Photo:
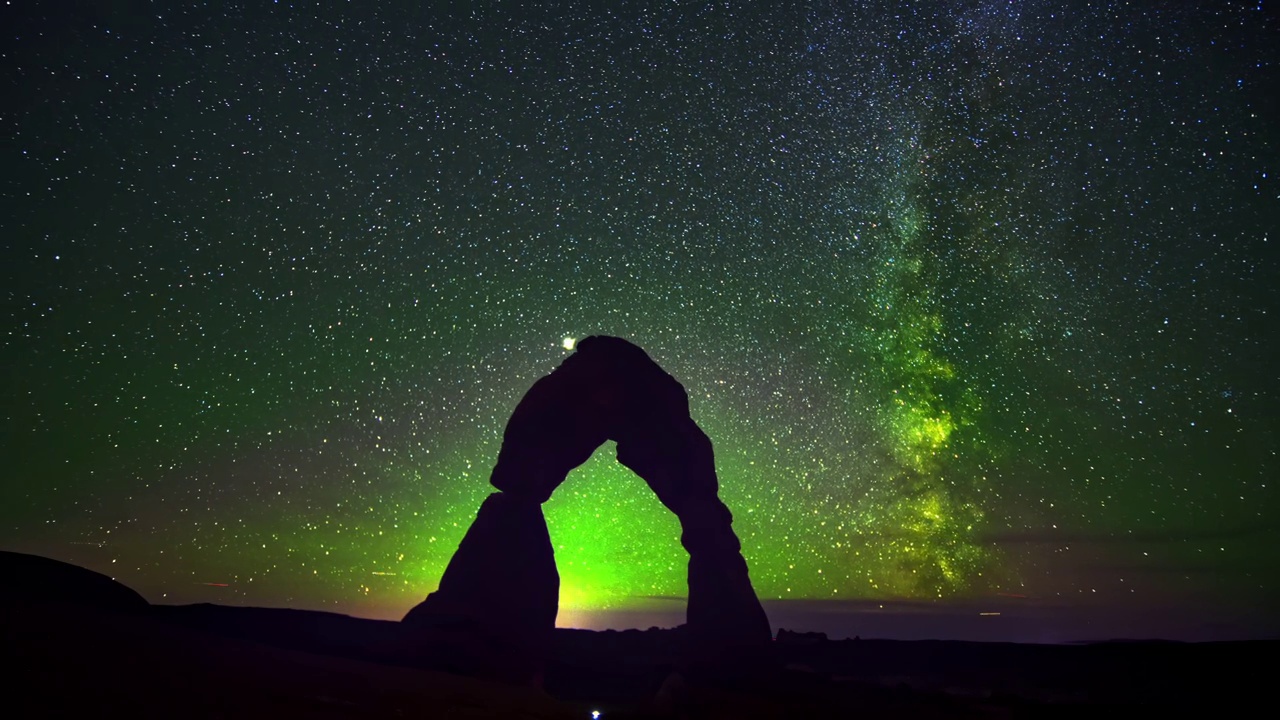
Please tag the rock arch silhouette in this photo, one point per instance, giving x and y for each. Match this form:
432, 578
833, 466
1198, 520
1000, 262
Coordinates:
503, 577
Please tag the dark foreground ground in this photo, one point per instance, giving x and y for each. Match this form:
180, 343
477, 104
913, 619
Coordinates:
76, 644
211, 661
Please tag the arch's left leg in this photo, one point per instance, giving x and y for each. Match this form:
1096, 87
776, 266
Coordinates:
497, 601
500, 591
503, 573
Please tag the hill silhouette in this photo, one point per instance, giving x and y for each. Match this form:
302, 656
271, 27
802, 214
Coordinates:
35, 580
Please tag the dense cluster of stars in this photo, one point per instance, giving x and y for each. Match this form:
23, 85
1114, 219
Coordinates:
975, 299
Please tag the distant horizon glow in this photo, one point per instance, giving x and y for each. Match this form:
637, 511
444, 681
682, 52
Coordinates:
976, 301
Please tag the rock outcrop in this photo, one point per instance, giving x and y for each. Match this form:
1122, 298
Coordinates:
503, 577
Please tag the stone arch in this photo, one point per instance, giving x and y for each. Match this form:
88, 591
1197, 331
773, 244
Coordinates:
503, 576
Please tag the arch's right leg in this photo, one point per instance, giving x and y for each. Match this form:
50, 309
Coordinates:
723, 607
677, 461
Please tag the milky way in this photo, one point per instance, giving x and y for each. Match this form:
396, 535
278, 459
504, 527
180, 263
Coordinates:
976, 300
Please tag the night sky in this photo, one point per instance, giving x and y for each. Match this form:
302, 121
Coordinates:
977, 300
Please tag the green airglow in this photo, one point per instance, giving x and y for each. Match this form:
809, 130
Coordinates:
615, 543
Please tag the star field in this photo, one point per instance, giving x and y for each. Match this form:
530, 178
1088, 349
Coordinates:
976, 300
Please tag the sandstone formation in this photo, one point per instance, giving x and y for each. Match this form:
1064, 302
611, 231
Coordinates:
503, 578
